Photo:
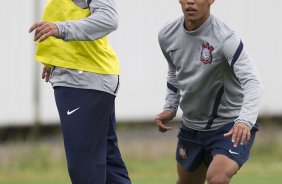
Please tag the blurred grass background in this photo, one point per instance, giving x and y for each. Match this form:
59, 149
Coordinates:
33, 157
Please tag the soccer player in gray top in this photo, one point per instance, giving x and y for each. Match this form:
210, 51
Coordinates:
215, 82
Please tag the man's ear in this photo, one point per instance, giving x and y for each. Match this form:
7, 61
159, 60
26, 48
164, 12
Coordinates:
211, 2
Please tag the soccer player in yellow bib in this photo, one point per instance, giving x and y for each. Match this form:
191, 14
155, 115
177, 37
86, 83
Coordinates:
71, 42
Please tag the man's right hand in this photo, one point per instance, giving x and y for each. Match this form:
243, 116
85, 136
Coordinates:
43, 30
46, 72
162, 119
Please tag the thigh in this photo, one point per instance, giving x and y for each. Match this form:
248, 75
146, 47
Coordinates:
190, 156
84, 116
189, 150
197, 176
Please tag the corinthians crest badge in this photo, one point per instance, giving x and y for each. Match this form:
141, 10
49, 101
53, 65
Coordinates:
206, 53
182, 152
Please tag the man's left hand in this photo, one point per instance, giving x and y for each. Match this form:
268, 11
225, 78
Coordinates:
240, 132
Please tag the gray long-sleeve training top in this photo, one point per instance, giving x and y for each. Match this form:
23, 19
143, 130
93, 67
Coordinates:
211, 76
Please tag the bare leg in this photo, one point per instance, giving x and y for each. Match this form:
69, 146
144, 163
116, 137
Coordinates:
195, 177
221, 170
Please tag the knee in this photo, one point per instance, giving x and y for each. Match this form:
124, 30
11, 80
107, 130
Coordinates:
218, 179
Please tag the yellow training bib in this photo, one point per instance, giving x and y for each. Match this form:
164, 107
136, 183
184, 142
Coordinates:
92, 56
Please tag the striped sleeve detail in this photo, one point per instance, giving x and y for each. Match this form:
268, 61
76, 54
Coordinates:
172, 87
237, 54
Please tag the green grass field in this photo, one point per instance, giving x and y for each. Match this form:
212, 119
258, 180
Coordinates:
149, 156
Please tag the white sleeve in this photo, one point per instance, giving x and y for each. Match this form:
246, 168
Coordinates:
247, 74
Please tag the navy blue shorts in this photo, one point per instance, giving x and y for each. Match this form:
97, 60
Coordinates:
90, 140
197, 147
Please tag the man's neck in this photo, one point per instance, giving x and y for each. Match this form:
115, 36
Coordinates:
192, 25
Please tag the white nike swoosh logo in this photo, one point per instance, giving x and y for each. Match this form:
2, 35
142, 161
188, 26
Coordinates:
232, 152
70, 112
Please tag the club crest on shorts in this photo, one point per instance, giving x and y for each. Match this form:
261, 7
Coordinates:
206, 53
182, 152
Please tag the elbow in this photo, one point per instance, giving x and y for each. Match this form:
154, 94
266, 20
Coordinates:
261, 87
111, 20
114, 22
107, 18
114, 26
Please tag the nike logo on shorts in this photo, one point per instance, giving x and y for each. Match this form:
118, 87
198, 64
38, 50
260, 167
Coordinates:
232, 152
70, 112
